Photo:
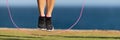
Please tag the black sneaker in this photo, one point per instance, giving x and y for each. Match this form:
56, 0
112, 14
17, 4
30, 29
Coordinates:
49, 25
42, 23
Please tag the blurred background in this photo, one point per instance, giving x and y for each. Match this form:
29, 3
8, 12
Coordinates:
97, 14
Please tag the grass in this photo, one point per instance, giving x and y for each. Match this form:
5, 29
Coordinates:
33, 34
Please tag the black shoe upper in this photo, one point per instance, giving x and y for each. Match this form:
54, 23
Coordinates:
49, 23
41, 22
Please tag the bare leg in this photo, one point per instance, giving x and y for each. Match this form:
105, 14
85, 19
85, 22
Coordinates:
41, 6
50, 6
41, 20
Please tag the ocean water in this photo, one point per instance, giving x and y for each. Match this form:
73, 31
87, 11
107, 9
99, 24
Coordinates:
105, 18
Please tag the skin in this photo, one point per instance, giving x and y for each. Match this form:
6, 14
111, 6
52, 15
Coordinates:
49, 4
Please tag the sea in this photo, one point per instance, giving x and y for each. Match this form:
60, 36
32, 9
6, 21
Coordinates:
102, 18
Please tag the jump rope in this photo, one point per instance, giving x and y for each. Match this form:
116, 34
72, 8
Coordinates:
28, 32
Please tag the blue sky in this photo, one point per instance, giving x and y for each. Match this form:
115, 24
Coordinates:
64, 3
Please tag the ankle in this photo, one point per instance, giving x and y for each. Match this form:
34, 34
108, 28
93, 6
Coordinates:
48, 16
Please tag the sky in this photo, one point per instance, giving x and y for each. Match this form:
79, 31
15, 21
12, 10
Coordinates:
63, 3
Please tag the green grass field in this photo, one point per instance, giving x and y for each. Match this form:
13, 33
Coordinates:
33, 34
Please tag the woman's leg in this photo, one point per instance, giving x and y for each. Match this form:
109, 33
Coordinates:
41, 6
50, 6
41, 20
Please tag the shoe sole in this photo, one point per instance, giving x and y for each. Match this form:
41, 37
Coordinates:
51, 30
43, 29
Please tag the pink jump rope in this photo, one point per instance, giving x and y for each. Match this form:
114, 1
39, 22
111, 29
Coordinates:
28, 32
